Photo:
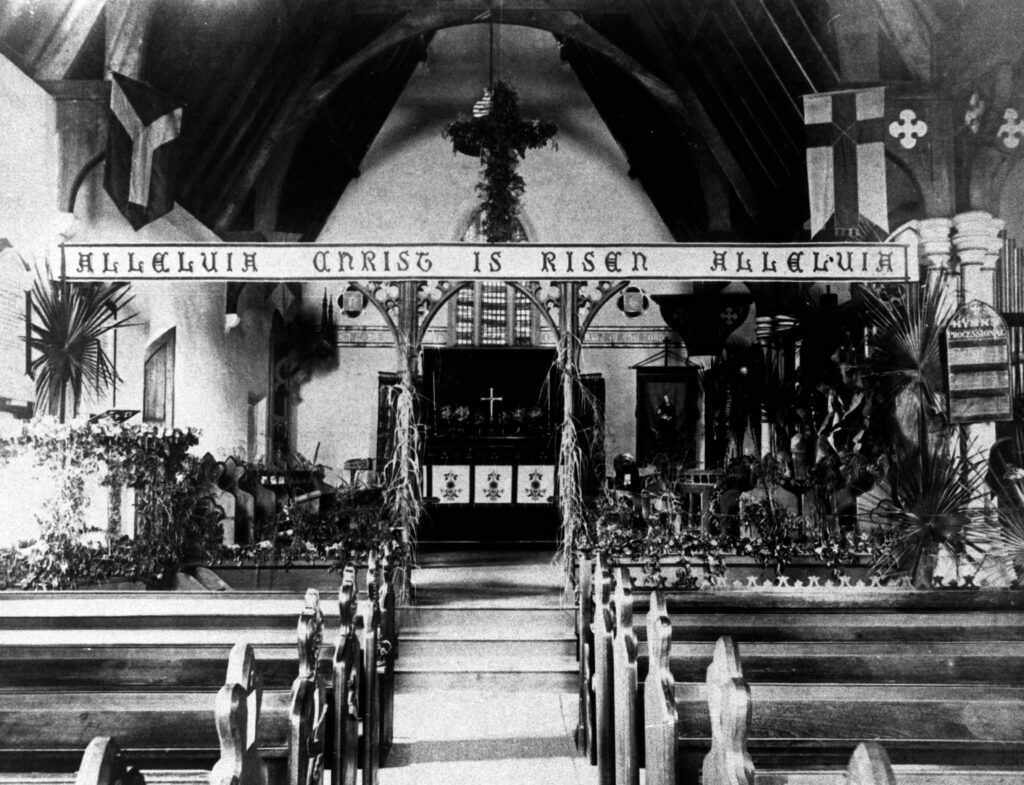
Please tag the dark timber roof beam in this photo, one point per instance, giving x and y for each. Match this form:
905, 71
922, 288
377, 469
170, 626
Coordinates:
909, 26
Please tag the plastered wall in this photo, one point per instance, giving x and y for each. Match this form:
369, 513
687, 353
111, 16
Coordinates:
413, 188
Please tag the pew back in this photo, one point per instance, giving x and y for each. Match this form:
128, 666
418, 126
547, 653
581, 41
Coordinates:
933, 674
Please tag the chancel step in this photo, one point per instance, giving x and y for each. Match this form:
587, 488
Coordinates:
485, 623
487, 620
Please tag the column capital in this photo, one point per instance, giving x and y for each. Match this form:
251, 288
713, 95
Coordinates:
976, 238
936, 247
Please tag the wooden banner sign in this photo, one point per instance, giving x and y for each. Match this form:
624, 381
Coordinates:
466, 261
978, 365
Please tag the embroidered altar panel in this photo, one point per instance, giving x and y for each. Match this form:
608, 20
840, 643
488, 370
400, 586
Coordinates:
535, 484
492, 484
450, 484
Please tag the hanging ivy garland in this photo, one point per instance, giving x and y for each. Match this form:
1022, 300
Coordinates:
500, 138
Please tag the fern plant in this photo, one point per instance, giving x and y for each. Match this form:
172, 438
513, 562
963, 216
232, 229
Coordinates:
68, 321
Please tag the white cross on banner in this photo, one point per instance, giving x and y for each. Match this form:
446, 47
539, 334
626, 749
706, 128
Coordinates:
140, 157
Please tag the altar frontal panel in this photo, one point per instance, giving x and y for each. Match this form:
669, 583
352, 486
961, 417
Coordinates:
534, 484
450, 484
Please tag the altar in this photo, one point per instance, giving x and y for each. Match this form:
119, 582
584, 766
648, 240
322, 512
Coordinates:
490, 441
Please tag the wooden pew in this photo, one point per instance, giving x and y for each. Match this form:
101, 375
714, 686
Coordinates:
729, 762
370, 698
346, 679
77, 641
236, 717
308, 709
44, 728
363, 673
860, 637
236, 721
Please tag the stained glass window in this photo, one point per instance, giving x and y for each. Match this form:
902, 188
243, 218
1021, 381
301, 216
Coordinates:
491, 314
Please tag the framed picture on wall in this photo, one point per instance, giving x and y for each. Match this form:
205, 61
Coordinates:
667, 404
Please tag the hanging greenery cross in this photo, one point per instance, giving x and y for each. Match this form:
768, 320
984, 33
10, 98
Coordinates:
500, 138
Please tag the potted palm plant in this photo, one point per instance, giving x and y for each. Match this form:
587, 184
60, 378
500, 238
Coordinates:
935, 487
67, 322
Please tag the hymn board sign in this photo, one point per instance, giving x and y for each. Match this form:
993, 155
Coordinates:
465, 261
978, 365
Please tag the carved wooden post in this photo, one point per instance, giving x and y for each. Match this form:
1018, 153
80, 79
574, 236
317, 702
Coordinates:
237, 712
307, 714
389, 650
869, 765
728, 762
346, 683
603, 706
627, 765
102, 764
660, 715
584, 645
370, 685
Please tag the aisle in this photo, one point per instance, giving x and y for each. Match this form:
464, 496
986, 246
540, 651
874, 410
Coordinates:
486, 676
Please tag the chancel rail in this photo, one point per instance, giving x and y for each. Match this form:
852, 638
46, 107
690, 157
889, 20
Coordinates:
465, 261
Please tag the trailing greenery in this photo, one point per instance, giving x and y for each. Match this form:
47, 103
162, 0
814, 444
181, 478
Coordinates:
174, 527
68, 321
402, 505
341, 534
500, 139
689, 557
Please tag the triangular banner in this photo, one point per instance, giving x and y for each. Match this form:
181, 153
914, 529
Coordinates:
141, 154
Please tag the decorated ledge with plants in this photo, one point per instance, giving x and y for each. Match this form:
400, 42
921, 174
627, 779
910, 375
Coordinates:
178, 525
870, 477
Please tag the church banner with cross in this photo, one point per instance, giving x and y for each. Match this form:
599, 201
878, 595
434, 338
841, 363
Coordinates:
468, 261
846, 163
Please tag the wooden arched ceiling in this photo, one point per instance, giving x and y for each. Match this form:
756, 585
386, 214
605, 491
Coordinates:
285, 98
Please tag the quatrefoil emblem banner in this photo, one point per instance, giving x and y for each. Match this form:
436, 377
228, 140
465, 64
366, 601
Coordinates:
908, 129
1012, 129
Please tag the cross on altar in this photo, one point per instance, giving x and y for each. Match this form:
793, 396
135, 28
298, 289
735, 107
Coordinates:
492, 400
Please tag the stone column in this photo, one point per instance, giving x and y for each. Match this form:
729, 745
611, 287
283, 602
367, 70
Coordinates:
935, 248
978, 244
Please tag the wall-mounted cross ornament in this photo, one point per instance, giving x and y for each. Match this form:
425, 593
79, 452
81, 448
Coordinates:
908, 129
1012, 129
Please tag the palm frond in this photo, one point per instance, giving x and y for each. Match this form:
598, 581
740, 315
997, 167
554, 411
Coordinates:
1006, 542
934, 506
906, 344
68, 322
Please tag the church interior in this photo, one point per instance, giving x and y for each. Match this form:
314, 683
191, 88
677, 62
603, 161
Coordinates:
731, 489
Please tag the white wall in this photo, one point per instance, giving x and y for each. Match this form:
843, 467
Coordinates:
215, 372
413, 188
29, 160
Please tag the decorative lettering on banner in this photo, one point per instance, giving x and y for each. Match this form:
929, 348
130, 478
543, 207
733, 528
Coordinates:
464, 261
978, 365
